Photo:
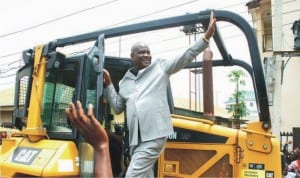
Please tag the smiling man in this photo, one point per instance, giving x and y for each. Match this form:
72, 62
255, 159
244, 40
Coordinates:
140, 55
143, 93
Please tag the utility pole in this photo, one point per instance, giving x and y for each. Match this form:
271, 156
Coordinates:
277, 43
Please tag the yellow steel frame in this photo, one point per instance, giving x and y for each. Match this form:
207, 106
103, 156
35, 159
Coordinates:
52, 157
244, 147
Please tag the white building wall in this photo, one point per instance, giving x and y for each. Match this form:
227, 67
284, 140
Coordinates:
285, 107
287, 96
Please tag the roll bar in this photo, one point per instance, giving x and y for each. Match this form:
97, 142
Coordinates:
255, 70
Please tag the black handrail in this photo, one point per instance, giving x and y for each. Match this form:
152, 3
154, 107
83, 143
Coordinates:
188, 19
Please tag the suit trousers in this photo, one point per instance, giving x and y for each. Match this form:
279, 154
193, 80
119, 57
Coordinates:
143, 157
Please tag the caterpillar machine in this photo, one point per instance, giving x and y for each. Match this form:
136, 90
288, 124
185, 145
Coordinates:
46, 145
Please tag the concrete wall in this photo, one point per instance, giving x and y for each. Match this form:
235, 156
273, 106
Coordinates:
285, 107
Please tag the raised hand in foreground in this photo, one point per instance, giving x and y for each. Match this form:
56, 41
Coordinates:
93, 132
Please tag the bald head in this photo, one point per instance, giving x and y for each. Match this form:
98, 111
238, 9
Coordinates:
138, 45
140, 55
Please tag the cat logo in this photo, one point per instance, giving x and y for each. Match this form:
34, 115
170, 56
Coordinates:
25, 155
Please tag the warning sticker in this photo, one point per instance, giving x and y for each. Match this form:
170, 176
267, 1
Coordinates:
250, 173
65, 166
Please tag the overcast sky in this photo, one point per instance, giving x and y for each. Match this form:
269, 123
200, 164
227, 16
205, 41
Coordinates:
25, 24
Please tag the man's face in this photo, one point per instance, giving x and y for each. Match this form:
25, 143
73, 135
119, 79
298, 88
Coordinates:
141, 56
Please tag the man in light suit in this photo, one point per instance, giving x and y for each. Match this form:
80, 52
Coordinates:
143, 92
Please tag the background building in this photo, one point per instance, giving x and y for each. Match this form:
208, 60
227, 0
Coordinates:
273, 22
6, 106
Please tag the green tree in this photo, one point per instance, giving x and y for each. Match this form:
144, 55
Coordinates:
239, 108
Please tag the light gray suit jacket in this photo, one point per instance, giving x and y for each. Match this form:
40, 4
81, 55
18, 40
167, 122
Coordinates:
145, 96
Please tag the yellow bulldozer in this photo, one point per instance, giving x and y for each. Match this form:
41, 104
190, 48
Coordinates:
46, 144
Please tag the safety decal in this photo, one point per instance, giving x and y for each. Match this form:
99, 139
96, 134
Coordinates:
250, 173
65, 166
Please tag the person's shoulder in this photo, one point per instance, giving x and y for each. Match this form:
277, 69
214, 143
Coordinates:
156, 62
127, 74
159, 61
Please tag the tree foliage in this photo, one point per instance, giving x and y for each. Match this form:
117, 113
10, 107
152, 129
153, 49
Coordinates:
239, 108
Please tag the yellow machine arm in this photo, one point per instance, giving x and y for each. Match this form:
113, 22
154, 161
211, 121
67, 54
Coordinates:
34, 128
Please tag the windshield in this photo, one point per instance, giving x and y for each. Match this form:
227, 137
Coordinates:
76, 80
59, 90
